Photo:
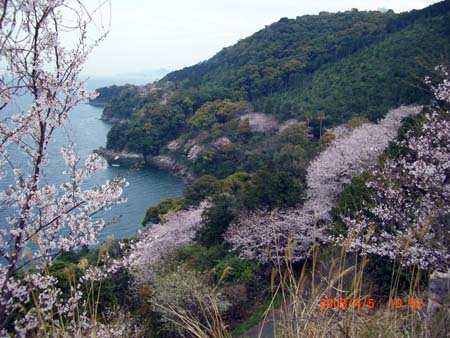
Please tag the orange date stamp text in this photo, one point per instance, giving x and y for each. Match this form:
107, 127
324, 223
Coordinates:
347, 303
369, 303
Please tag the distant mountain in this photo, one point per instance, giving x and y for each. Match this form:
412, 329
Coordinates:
133, 78
155, 74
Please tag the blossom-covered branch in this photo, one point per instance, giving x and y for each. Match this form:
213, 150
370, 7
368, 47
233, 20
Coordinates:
411, 203
44, 219
160, 239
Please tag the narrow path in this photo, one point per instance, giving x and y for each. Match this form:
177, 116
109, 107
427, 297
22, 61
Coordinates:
266, 328
267, 331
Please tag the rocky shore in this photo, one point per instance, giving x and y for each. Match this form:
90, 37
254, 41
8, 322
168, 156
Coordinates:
132, 159
105, 116
97, 104
109, 119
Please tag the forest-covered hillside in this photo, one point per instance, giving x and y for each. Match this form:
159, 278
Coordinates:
316, 70
325, 67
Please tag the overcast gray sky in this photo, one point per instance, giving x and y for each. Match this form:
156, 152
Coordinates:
150, 34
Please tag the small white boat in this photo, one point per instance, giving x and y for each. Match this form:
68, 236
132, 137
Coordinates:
115, 165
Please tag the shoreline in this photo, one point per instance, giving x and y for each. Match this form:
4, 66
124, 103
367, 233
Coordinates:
162, 162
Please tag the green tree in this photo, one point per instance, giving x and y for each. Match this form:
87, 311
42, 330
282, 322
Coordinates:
217, 218
201, 188
272, 189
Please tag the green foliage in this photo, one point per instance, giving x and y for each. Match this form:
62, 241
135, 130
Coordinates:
201, 188
373, 79
293, 153
134, 136
238, 270
106, 95
146, 135
117, 137
279, 55
121, 103
326, 139
217, 218
356, 121
235, 182
217, 259
294, 134
272, 189
218, 111
203, 118
354, 197
156, 213
412, 124
201, 257
291, 159
66, 273
219, 162
286, 68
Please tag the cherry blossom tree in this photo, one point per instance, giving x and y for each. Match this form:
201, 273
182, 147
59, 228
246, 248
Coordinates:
44, 219
409, 219
265, 235
159, 240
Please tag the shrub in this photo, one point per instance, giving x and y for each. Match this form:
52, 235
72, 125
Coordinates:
184, 292
156, 213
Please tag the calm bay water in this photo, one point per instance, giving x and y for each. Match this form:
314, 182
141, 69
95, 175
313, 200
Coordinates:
146, 186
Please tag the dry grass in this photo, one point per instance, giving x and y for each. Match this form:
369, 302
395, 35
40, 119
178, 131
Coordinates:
342, 276
305, 312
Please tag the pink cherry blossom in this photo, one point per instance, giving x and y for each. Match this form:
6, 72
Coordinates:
411, 198
264, 235
158, 240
